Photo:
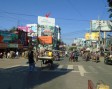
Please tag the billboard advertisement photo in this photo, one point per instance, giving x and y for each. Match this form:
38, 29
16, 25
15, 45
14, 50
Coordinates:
46, 21
101, 25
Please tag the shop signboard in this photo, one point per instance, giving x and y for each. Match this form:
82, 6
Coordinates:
12, 45
101, 25
45, 39
3, 45
46, 21
20, 46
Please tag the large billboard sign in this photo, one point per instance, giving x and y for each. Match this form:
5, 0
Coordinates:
46, 21
92, 36
101, 25
87, 36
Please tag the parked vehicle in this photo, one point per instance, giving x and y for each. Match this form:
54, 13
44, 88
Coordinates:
108, 58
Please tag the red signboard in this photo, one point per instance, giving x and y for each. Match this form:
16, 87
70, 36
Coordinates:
45, 39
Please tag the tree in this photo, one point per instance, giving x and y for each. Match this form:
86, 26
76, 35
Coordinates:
13, 29
110, 7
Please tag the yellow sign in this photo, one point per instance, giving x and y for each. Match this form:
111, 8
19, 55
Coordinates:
92, 36
87, 36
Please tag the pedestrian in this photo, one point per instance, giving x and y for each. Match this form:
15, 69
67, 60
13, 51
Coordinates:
37, 55
8, 55
17, 54
71, 56
66, 53
76, 54
31, 60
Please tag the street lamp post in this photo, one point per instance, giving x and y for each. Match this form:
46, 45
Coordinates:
37, 38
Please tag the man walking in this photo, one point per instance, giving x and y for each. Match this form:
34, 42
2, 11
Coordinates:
76, 55
31, 60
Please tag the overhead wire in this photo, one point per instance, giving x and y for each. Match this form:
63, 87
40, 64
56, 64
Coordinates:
73, 7
73, 19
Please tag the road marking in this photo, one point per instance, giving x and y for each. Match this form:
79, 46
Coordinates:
59, 68
92, 69
70, 67
81, 70
11, 66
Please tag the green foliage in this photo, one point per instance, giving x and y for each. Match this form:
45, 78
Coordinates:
13, 29
110, 9
109, 3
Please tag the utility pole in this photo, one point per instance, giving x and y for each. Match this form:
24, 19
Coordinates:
37, 42
99, 31
104, 40
90, 33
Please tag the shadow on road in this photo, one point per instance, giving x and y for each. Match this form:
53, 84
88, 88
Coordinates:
20, 78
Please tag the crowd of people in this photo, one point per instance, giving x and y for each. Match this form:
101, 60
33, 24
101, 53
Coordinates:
72, 56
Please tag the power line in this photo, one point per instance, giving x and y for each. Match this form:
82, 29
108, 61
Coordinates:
73, 6
73, 19
17, 13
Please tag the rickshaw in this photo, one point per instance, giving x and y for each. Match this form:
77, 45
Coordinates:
95, 56
46, 59
86, 55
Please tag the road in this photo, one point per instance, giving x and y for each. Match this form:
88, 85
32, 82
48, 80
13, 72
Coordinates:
14, 74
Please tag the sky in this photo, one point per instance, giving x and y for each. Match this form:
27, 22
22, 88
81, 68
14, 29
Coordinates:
73, 16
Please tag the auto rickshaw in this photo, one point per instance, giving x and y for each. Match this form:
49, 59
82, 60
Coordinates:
86, 55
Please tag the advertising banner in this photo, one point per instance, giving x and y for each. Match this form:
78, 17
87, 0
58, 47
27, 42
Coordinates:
3, 45
32, 27
12, 45
101, 25
9, 37
87, 36
45, 39
45, 30
25, 29
46, 21
94, 35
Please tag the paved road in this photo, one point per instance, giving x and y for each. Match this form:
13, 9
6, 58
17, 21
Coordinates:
14, 74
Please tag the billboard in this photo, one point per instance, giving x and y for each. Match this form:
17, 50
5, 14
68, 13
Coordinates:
8, 37
46, 21
25, 29
32, 27
45, 39
92, 36
102, 25
87, 36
